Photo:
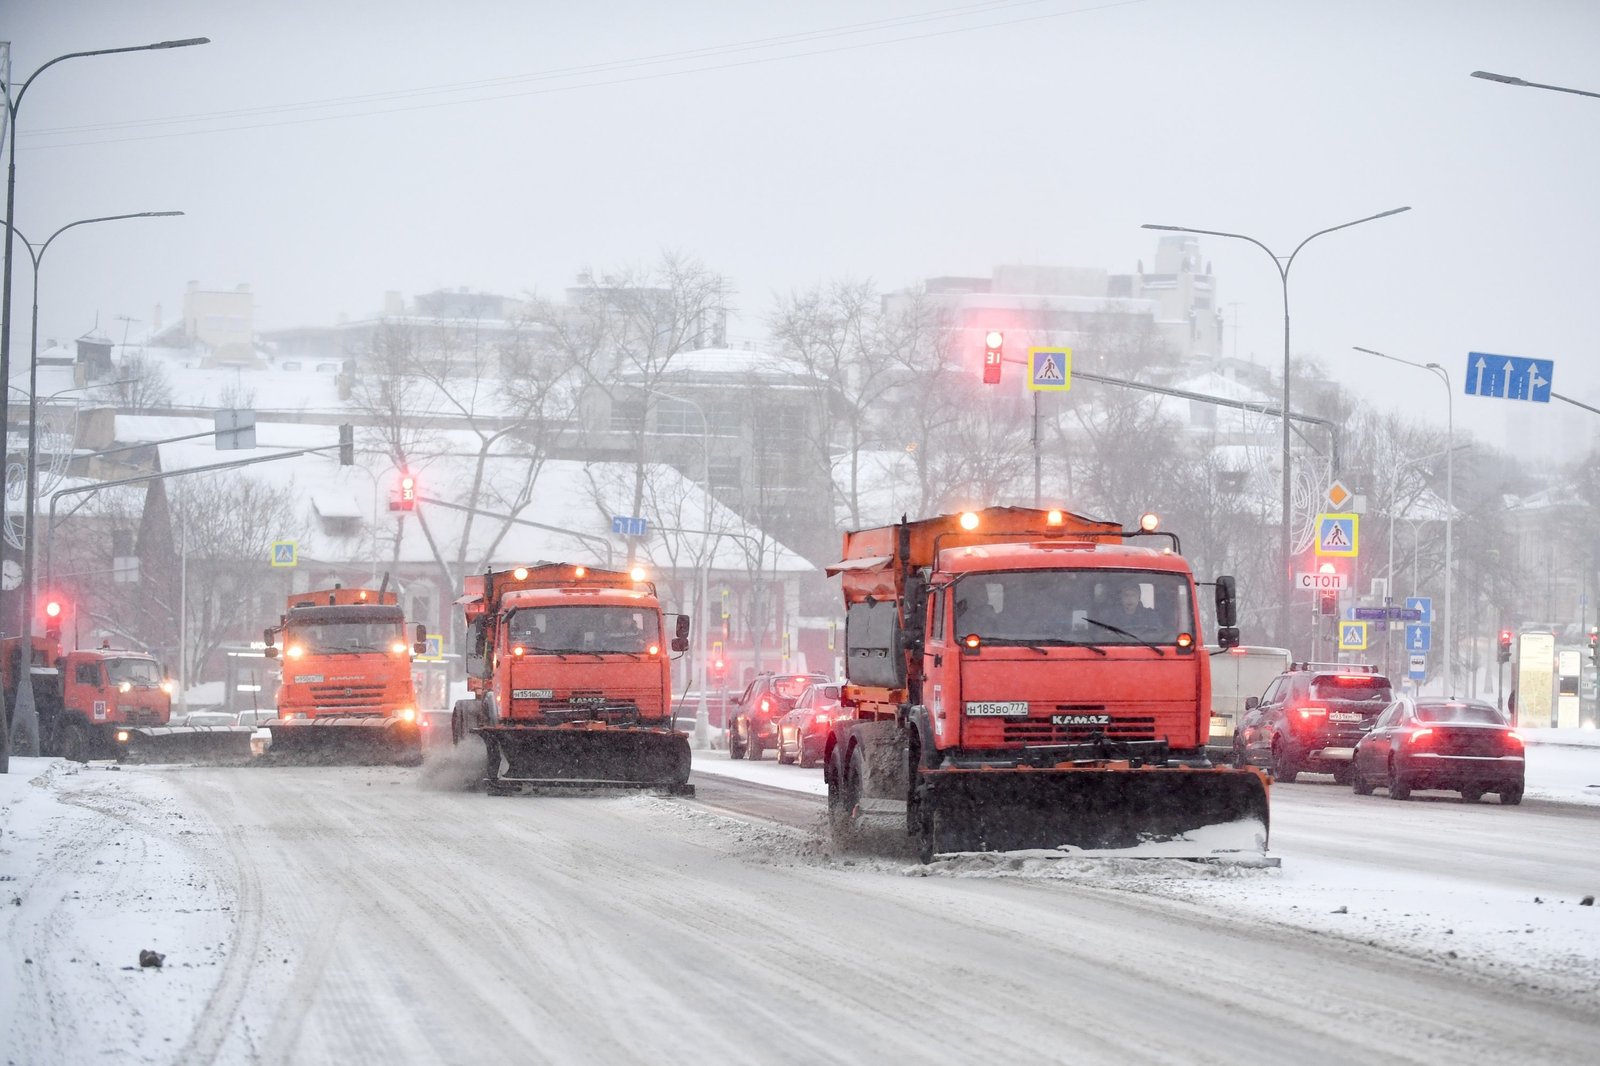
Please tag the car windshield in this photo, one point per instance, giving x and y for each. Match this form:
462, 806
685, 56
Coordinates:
1371, 687
580, 629
325, 638
134, 671
1480, 713
1074, 606
790, 688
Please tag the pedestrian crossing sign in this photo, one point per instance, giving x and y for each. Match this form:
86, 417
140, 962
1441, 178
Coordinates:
285, 553
1352, 636
1050, 369
1337, 534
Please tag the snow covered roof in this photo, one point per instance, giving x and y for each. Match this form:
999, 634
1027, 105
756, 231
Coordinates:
734, 362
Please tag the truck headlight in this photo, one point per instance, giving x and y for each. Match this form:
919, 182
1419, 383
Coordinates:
122, 736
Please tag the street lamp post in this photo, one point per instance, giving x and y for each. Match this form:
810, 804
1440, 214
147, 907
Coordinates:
1449, 499
13, 104
1507, 79
1284, 264
702, 723
1393, 517
25, 716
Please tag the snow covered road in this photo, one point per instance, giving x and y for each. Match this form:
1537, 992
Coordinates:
381, 915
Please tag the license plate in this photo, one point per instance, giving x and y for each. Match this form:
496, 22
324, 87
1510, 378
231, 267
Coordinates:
1344, 716
997, 708
1080, 719
532, 693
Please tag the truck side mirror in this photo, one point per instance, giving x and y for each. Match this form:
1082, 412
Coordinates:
683, 628
270, 652
267, 635
1227, 603
680, 643
420, 646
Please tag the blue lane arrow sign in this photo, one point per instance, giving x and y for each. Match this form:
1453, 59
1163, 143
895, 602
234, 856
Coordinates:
1419, 638
1509, 377
1423, 605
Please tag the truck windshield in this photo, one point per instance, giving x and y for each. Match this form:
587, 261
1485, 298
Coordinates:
328, 638
134, 671
1074, 606
576, 629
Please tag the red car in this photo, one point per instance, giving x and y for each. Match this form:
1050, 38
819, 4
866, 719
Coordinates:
803, 732
765, 700
1465, 746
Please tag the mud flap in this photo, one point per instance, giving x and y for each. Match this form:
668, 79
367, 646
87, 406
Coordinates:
345, 740
584, 757
1088, 808
216, 745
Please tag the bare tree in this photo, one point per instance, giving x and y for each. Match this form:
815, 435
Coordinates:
144, 385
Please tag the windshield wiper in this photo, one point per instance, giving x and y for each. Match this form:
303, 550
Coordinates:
1118, 629
1039, 644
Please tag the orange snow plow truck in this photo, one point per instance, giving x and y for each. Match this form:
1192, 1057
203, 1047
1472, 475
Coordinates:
346, 692
108, 703
1022, 679
571, 684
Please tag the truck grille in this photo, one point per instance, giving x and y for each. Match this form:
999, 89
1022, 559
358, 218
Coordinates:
340, 697
1043, 731
141, 716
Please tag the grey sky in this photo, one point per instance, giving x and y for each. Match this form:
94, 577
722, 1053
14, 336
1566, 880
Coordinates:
1034, 132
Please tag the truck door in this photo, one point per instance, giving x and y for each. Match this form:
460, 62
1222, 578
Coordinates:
86, 690
937, 692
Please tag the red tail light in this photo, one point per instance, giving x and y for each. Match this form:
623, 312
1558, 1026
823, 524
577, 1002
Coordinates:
1418, 736
766, 704
1515, 737
822, 719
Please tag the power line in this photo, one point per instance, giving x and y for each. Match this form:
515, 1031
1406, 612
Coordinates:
569, 72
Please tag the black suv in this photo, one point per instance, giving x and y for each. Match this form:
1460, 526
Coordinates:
1310, 718
766, 699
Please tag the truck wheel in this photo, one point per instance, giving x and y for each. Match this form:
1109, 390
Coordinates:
74, 742
843, 796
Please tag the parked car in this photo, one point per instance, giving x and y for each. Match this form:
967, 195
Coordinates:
803, 732
1310, 718
756, 711
1466, 746
257, 718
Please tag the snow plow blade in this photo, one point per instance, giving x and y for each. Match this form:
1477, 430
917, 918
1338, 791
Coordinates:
1174, 812
345, 740
529, 757
202, 744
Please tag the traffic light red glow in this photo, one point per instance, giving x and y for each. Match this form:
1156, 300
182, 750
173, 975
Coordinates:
405, 494
993, 357
1505, 645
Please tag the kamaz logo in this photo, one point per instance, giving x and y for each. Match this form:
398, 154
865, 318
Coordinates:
586, 699
1080, 719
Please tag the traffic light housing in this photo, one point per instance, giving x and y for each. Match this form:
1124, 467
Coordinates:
993, 348
405, 494
718, 664
53, 614
347, 445
1594, 644
1505, 645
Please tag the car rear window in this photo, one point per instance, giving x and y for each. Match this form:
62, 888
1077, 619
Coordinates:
791, 687
1351, 687
1480, 713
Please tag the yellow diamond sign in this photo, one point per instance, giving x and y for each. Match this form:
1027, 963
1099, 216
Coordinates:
1337, 495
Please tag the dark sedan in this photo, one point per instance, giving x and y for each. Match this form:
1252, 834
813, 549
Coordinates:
1464, 746
803, 732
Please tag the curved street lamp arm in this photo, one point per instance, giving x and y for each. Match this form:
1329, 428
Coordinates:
87, 221
1507, 79
15, 102
1236, 236
1342, 225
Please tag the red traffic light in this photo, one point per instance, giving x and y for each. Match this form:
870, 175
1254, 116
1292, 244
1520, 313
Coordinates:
405, 494
1505, 638
993, 357
52, 609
